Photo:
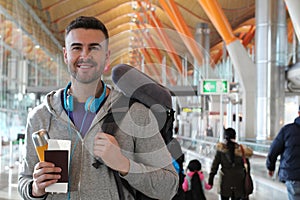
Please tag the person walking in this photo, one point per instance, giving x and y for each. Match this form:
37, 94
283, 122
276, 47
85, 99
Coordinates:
287, 145
194, 182
136, 151
232, 173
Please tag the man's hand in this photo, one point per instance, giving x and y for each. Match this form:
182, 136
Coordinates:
43, 176
107, 148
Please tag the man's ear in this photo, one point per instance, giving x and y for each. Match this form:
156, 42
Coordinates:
107, 57
65, 55
107, 54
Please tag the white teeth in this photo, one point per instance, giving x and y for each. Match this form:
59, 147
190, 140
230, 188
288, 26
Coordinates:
85, 67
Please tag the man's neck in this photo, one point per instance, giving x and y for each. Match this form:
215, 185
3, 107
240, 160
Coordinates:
81, 92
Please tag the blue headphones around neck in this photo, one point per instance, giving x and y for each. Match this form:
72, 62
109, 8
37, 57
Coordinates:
92, 104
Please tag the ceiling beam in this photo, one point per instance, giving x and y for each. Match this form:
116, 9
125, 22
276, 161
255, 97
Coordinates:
155, 22
219, 20
154, 48
150, 42
180, 25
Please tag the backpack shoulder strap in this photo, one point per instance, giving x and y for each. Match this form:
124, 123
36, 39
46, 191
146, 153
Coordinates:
116, 114
110, 126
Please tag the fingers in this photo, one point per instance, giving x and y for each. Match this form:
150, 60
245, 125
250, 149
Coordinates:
107, 148
104, 136
45, 167
45, 174
103, 139
103, 144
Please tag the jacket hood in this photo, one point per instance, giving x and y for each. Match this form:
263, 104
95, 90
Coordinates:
238, 152
54, 102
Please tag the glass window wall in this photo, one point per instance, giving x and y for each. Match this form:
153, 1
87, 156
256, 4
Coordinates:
30, 62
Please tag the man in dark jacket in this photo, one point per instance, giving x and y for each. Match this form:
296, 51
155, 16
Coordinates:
287, 145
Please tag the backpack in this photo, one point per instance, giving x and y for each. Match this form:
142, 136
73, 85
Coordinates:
138, 87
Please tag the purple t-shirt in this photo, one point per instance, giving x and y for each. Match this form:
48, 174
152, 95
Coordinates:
79, 119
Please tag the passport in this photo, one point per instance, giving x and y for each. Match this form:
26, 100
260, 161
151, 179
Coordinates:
60, 159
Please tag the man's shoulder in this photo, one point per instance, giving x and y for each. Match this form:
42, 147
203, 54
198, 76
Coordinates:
297, 121
293, 125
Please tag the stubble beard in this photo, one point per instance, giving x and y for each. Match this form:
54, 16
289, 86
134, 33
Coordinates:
86, 79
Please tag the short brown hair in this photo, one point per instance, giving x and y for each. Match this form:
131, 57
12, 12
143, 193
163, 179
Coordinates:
87, 23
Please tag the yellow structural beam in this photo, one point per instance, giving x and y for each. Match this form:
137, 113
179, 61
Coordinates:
218, 19
187, 37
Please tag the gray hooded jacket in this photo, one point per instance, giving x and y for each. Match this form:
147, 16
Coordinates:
151, 170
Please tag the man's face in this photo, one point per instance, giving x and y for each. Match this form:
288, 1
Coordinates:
86, 54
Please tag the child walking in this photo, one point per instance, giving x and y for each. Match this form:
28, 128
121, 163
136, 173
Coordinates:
194, 182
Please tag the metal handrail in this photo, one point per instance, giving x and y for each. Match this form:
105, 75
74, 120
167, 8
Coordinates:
260, 148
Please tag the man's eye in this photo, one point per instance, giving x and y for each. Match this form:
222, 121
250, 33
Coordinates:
76, 48
97, 48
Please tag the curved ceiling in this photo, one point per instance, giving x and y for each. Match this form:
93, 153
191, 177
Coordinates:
144, 31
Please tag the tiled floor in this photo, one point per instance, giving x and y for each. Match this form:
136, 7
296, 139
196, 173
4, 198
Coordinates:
265, 187
9, 167
8, 185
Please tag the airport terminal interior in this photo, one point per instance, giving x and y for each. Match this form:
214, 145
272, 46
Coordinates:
227, 63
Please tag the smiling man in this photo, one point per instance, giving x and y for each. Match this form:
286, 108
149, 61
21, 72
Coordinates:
77, 113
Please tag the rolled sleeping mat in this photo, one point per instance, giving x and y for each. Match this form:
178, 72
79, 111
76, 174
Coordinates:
135, 84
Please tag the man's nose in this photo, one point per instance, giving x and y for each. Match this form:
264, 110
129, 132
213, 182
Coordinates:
86, 53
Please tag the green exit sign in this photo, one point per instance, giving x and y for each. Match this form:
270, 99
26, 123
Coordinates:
214, 86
